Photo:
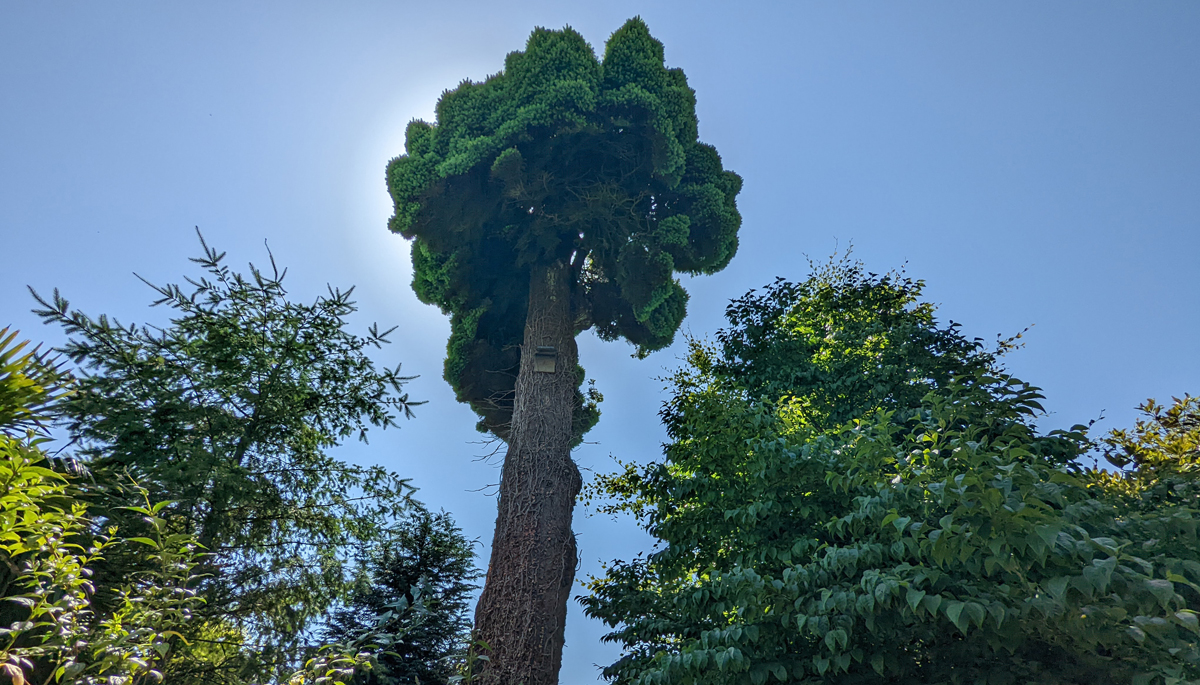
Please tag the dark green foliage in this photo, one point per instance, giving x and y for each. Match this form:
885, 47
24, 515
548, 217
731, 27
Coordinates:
227, 412
424, 574
854, 494
561, 157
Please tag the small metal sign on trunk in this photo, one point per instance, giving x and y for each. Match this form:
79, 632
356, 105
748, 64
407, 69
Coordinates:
543, 359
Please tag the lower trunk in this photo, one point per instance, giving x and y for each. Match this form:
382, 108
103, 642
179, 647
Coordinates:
523, 609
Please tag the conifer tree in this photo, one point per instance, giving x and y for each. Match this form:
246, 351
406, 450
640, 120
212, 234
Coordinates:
422, 577
559, 195
228, 413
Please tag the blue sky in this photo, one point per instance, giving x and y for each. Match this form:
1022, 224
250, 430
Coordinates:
1035, 163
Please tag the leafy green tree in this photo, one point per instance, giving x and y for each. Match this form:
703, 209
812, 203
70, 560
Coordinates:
854, 493
561, 194
426, 568
842, 343
1158, 460
52, 631
228, 412
31, 383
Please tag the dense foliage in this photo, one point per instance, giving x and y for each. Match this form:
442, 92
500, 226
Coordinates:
227, 413
561, 157
854, 493
52, 631
423, 576
842, 343
62, 627
1158, 459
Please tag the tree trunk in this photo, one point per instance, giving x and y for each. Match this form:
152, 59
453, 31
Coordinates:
523, 609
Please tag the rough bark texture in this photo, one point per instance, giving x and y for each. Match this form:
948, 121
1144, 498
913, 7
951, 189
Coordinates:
523, 609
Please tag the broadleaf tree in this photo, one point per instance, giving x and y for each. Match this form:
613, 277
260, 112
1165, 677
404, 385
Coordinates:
856, 493
562, 194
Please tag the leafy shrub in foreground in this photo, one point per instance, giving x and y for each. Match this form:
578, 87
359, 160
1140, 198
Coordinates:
51, 631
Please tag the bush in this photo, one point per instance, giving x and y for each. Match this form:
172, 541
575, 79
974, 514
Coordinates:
49, 547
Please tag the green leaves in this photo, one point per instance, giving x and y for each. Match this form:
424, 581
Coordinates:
1162, 590
225, 416
561, 158
867, 490
915, 598
55, 621
30, 383
419, 592
965, 614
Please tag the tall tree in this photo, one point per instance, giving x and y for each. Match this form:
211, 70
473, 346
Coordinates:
559, 195
228, 412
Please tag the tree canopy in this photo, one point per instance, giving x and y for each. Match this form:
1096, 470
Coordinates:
561, 157
905, 523
424, 574
228, 412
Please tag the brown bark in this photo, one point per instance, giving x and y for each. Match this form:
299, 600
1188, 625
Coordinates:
523, 609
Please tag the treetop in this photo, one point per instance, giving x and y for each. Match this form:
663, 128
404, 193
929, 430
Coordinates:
570, 159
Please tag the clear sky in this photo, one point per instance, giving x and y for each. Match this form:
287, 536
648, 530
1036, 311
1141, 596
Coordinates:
1036, 163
